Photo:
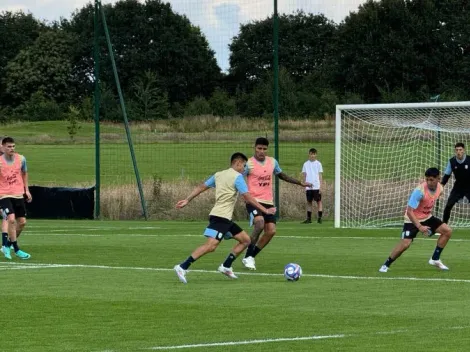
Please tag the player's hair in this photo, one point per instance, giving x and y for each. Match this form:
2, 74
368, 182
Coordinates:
432, 172
261, 141
313, 150
459, 145
7, 140
238, 156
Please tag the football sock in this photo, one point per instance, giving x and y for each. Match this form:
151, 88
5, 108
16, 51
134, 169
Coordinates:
4, 239
309, 215
228, 262
187, 263
320, 214
256, 250
389, 262
15, 246
437, 253
250, 249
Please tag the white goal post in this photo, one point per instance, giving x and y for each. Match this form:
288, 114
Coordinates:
382, 152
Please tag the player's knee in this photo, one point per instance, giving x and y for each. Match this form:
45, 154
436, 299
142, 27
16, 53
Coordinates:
21, 222
11, 221
245, 241
446, 231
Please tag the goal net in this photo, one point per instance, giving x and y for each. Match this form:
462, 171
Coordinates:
382, 152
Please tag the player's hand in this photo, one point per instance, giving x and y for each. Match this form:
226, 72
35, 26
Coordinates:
306, 184
29, 197
271, 211
182, 203
426, 230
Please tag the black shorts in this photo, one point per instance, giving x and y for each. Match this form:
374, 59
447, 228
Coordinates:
13, 206
313, 195
253, 212
457, 194
410, 230
220, 228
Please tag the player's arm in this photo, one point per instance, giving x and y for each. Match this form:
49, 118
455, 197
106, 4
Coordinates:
242, 188
209, 183
25, 177
413, 203
320, 178
279, 173
447, 173
293, 180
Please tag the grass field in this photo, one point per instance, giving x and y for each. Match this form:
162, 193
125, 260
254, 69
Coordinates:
75, 164
109, 286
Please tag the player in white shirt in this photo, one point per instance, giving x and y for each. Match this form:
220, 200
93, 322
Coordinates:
312, 172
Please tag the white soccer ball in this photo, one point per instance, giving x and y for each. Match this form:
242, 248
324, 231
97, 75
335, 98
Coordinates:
292, 272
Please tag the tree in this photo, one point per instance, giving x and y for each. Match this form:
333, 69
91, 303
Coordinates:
303, 42
17, 31
148, 36
149, 101
399, 45
44, 66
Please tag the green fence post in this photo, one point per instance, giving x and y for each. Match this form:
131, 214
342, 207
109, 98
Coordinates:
276, 99
97, 102
124, 114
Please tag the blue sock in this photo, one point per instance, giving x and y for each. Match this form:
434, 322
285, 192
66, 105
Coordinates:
437, 253
15, 246
228, 262
4, 239
187, 263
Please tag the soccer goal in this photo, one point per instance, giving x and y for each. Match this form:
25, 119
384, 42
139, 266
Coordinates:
382, 152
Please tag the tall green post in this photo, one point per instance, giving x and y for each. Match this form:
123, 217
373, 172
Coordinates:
124, 115
439, 145
276, 98
97, 102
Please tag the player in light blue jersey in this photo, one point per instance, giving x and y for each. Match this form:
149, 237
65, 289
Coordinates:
228, 184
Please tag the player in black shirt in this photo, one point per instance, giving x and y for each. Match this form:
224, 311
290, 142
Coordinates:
460, 166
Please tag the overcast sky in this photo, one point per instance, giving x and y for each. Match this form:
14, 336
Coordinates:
218, 19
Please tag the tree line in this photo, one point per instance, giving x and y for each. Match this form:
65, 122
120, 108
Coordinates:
386, 51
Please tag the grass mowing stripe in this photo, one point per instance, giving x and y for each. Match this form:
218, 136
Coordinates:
33, 233
12, 265
287, 339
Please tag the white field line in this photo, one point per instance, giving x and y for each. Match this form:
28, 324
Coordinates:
13, 265
288, 339
247, 342
32, 233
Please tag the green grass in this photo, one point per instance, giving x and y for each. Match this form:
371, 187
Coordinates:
72, 164
112, 289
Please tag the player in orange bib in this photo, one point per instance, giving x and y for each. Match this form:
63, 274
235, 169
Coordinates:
13, 191
419, 218
260, 171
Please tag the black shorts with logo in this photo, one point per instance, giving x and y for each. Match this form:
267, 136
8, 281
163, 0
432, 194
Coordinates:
410, 230
253, 212
13, 206
221, 228
313, 195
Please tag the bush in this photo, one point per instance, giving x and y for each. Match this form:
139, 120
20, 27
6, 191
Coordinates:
39, 108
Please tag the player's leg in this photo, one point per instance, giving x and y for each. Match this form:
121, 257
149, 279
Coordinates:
408, 234
454, 197
445, 232
309, 196
243, 241
317, 198
257, 220
269, 232
20, 214
5, 244
214, 232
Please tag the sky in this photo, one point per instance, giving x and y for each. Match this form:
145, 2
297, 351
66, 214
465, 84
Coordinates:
218, 19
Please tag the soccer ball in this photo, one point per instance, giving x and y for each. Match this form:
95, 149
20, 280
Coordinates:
292, 272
